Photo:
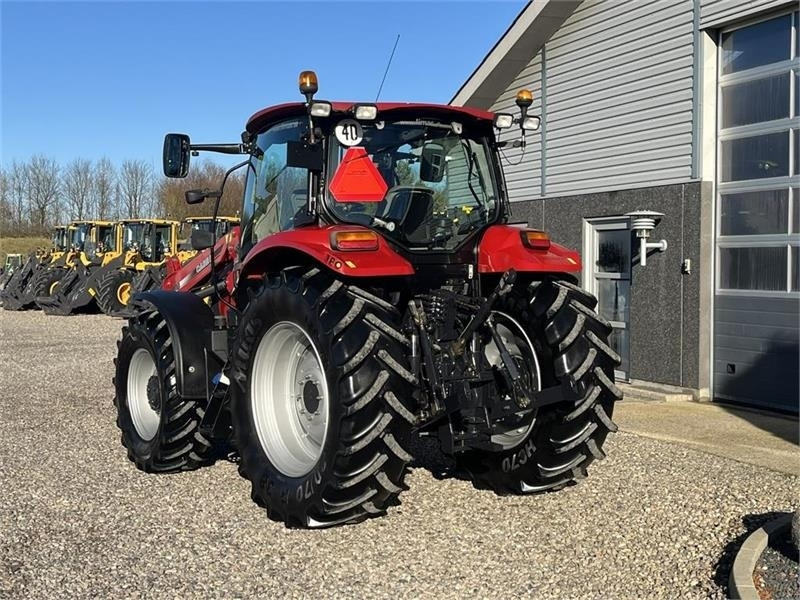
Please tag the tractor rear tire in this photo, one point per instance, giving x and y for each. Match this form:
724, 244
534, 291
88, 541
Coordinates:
571, 342
321, 400
159, 427
113, 290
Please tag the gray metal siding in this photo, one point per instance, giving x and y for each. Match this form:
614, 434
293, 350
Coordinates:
715, 13
757, 338
523, 170
619, 97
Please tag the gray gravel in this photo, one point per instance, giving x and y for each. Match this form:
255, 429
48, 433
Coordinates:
654, 520
776, 574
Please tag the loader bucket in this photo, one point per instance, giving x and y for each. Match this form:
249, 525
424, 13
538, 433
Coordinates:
73, 294
19, 293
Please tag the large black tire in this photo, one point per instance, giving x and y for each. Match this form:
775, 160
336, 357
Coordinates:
571, 342
359, 466
111, 294
47, 282
166, 438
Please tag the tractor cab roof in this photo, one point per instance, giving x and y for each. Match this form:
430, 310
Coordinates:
279, 112
218, 218
77, 223
154, 221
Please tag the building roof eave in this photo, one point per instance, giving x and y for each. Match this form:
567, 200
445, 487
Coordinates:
513, 51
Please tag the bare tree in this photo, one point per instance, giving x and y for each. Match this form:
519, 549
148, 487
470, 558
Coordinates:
206, 175
104, 184
44, 189
77, 184
18, 194
135, 186
6, 213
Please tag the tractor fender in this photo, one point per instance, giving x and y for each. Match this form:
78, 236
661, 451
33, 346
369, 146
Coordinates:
115, 262
315, 243
190, 321
501, 248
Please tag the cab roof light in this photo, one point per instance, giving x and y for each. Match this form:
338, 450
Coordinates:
524, 98
365, 112
531, 123
320, 108
354, 240
536, 240
503, 120
308, 83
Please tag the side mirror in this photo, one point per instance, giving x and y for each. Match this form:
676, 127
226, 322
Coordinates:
304, 156
177, 152
202, 239
199, 196
431, 167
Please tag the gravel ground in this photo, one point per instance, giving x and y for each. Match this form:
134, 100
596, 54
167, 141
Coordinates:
654, 520
776, 573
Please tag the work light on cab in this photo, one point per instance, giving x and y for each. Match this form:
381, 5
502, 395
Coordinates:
320, 109
503, 120
365, 112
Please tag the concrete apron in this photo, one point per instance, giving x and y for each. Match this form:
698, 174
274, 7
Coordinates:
746, 436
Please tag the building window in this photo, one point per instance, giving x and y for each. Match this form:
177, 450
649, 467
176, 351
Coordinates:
758, 205
607, 274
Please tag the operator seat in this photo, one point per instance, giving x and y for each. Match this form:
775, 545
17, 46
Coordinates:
411, 207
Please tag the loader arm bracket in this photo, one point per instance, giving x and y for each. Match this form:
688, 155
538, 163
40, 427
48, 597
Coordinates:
190, 321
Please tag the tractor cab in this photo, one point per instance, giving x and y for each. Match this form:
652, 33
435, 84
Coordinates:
13, 262
219, 226
153, 240
59, 239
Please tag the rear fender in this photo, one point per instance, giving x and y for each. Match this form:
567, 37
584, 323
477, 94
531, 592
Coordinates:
314, 244
501, 249
190, 322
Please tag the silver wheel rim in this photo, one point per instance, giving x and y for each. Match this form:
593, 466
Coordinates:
289, 399
512, 333
140, 370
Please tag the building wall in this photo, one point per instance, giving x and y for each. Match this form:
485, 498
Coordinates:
615, 89
666, 316
717, 12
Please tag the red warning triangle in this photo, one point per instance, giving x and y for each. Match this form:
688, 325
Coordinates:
357, 179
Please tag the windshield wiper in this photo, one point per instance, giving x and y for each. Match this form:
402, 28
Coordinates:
471, 163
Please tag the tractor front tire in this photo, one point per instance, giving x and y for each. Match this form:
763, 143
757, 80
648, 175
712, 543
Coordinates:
114, 290
571, 342
321, 400
159, 427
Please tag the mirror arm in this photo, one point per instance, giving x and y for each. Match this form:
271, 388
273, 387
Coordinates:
220, 148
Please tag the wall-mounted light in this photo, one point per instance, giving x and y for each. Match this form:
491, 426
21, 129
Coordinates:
643, 222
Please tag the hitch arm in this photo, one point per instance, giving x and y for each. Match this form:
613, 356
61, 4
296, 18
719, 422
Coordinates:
482, 314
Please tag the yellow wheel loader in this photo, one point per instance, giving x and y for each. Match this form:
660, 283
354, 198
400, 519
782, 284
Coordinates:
20, 290
144, 243
71, 289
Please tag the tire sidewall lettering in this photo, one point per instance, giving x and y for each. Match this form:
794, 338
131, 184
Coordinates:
518, 458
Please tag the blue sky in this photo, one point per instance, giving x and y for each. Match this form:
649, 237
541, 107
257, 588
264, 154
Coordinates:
94, 79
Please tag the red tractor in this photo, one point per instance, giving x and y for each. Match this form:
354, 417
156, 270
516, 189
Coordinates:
378, 293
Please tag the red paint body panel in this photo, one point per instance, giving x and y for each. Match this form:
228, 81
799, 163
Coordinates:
501, 249
296, 109
196, 272
316, 242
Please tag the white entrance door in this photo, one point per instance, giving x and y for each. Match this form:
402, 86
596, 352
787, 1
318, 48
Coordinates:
607, 274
